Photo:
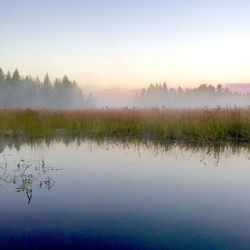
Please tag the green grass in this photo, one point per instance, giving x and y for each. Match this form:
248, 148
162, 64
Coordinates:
198, 125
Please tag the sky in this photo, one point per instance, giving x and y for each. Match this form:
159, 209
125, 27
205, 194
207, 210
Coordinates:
128, 44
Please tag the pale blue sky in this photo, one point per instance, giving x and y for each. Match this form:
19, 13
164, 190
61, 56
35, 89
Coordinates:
107, 43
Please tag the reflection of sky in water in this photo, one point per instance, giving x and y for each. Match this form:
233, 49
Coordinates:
119, 196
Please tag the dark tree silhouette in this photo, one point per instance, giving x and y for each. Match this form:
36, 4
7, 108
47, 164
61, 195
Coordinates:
16, 76
1, 75
159, 95
25, 92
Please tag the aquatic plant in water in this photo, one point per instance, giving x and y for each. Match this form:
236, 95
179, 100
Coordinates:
27, 176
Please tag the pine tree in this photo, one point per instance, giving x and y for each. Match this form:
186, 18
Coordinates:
1, 75
16, 76
8, 76
46, 82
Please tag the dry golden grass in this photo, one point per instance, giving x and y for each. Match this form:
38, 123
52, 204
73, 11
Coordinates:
137, 124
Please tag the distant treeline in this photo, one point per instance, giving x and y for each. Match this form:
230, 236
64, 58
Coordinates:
26, 92
159, 95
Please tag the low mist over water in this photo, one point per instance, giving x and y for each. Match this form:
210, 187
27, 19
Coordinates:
124, 124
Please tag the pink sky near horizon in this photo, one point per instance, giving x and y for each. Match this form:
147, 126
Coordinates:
128, 44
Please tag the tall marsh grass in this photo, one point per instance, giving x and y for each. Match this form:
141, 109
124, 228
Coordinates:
135, 124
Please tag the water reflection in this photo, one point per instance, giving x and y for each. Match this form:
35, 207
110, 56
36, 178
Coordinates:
124, 195
211, 149
188, 151
27, 175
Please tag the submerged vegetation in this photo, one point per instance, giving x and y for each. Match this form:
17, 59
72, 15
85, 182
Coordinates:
159, 125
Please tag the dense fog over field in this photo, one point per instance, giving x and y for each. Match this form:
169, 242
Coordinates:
17, 91
159, 95
25, 92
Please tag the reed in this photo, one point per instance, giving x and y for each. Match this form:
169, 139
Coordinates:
136, 124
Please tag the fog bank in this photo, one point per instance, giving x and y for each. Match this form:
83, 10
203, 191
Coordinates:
159, 95
25, 92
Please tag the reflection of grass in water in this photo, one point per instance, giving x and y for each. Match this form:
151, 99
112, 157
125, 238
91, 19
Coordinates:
154, 125
214, 149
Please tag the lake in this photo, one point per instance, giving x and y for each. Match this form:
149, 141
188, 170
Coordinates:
114, 195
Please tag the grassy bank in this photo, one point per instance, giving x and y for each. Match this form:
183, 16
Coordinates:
154, 124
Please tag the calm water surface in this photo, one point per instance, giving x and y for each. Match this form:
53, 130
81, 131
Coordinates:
123, 196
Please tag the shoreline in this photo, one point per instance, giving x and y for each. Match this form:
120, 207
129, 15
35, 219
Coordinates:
156, 125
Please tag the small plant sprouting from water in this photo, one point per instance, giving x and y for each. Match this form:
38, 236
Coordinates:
27, 176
